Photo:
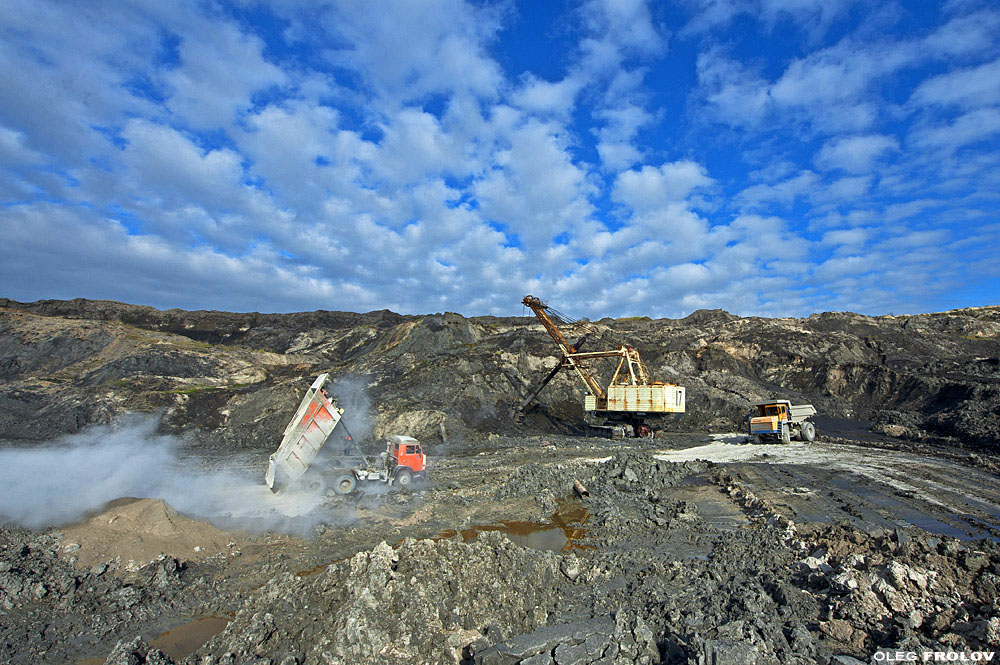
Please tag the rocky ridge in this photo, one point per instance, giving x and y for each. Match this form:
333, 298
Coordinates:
234, 379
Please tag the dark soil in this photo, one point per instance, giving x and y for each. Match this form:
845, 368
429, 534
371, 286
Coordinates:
686, 562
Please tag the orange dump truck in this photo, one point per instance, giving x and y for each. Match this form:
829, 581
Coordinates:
311, 427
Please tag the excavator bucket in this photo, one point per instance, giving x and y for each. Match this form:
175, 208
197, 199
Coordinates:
308, 430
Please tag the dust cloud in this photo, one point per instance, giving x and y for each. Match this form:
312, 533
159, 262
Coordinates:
351, 393
60, 482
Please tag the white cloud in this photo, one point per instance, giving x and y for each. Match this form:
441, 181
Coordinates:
407, 50
14, 150
652, 187
965, 34
626, 23
854, 239
64, 73
851, 188
855, 154
220, 68
534, 187
163, 160
830, 84
284, 144
773, 171
414, 147
384, 158
784, 192
813, 16
621, 36
972, 87
733, 93
898, 211
539, 96
100, 258
834, 89
854, 266
616, 138
978, 125
188, 194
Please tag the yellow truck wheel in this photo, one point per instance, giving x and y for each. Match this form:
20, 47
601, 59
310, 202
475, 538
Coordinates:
807, 432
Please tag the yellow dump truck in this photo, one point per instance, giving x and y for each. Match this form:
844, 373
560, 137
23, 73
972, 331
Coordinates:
780, 420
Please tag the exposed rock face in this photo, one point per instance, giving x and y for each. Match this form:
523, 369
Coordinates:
236, 378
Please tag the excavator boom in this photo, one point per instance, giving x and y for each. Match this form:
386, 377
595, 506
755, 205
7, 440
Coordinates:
541, 311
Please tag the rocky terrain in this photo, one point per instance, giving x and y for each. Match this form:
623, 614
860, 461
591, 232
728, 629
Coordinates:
662, 561
692, 547
234, 378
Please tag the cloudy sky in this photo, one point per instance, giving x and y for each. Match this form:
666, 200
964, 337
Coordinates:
613, 157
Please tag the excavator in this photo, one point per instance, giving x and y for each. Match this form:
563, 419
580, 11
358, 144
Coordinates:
629, 398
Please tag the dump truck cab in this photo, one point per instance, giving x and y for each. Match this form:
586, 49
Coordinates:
405, 452
769, 418
402, 462
780, 420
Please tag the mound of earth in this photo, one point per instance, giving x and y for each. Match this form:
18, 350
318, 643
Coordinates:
137, 531
50, 610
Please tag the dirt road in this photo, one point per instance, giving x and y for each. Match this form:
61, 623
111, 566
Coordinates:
873, 488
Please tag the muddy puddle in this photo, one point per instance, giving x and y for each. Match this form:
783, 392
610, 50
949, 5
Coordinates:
187, 638
565, 530
182, 641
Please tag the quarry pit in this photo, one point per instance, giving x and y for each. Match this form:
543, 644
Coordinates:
152, 538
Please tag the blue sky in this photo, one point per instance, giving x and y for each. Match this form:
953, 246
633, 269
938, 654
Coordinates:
614, 157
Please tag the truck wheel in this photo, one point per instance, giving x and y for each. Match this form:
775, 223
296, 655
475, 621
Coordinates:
786, 436
403, 477
344, 485
808, 432
756, 438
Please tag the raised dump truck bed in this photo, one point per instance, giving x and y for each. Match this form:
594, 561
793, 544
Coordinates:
307, 431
